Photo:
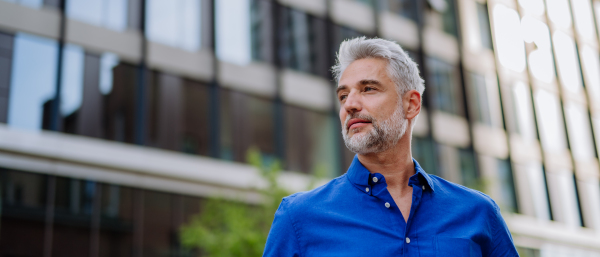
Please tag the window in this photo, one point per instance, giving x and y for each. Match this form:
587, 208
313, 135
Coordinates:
303, 42
568, 63
175, 23
541, 61
111, 14
533, 198
178, 114
116, 222
423, 150
6, 56
591, 66
74, 205
559, 13
507, 186
480, 100
97, 95
246, 121
551, 124
564, 197
406, 8
484, 25
34, 3
524, 123
310, 141
579, 131
30, 97
584, 19
445, 86
23, 210
510, 48
261, 24
469, 172
449, 18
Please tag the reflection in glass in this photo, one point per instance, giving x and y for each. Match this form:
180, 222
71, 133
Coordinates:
568, 63
468, 169
406, 8
110, 14
159, 223
584, 19
485, 35
310, 142
178, 116
507, 186
423, 150
74, 205
510, 48
535, 7
523, 111
591, 65
23, 205
29, 3
541, 63
444, 85
303, 42
537, 188
550, 120
233, 31
72, 79
564, 197
246, 121
98, 95
116, 222
174, 23
559, 13
30, 96
480, 99
579, 130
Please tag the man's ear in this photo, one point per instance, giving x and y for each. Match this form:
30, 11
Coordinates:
412, 104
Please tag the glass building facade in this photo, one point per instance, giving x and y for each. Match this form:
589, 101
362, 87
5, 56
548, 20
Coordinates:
118, 118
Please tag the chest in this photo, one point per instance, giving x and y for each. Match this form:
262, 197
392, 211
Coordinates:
369, 228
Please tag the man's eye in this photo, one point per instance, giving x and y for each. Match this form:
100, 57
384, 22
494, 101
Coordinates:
369, 88
342, 97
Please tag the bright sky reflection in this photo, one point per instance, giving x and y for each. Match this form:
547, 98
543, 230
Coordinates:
541, 62
233, 31
559, 13
568, 65
32, 55
510, 47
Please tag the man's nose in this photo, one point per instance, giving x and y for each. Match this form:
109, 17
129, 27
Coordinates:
353, 103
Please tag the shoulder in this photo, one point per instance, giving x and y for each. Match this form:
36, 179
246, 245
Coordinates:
459, 194
313, 199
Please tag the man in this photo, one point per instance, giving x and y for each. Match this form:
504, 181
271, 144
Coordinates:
386, 204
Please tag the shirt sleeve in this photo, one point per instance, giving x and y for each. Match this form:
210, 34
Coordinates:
283, 239
502, 242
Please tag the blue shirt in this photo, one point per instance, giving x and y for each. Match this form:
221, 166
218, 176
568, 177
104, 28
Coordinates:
355, 215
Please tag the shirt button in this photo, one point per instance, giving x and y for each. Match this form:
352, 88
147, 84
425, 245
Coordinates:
423, 188
387, 205
408, 240
375, 179
367, 189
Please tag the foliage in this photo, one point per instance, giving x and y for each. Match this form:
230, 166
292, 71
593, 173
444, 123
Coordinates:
229, 228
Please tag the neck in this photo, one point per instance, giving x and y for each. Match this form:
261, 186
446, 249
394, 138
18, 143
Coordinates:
395, 164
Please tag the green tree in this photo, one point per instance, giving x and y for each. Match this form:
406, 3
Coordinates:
233, 228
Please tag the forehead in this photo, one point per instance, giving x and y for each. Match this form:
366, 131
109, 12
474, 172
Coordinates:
365, 69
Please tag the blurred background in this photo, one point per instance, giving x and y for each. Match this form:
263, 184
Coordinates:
119, 117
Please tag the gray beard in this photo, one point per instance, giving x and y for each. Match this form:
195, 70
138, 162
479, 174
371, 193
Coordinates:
382, 137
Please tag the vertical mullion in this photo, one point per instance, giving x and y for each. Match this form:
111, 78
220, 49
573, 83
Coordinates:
142, 75
49, 216
214, 115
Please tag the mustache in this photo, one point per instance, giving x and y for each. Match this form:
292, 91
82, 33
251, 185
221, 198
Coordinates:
358, 116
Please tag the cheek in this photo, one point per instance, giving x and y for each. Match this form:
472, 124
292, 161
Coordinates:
343, 115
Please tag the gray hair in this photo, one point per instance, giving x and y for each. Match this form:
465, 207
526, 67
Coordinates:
401, 68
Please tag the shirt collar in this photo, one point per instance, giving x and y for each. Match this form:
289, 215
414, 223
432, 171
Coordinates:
359, 175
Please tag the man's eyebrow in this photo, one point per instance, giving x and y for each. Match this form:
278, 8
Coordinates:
369, 82
340, 88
